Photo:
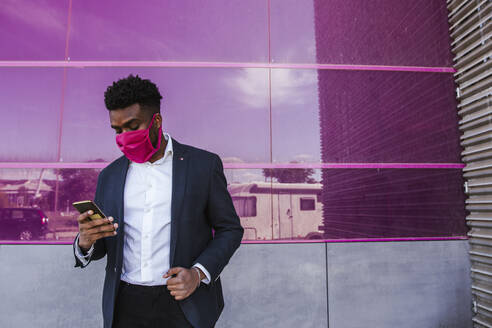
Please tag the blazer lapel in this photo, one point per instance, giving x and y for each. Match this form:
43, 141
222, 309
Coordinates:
122, 169
180, 167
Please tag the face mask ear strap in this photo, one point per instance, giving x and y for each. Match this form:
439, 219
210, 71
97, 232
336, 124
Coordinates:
152, 120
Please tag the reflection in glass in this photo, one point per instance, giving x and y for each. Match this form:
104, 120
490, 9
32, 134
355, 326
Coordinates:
30, 113
386, 203
388, 117
382, 32
273, 203
179, 30
378, 32
203, 107
35, 204
33, 30
364, 116
250, 193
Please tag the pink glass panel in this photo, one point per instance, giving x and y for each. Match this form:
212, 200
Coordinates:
178, 30
215, 109
30, 99
33, 30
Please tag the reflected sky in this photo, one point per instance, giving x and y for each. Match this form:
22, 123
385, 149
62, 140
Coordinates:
30, 112
215, 30
33, 29
207, 108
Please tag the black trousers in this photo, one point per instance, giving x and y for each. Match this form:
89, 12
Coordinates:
147, 306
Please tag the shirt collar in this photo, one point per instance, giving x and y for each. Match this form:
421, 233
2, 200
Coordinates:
168, 152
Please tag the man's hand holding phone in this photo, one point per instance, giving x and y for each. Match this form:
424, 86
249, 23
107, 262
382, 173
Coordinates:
94, 229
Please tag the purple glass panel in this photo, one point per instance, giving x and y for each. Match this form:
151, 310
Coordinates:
292, 31
33, 30
364, 116
377, 32
251, 195
31, 99
217, 30
221, 110
295, 116
372, 203
35, 204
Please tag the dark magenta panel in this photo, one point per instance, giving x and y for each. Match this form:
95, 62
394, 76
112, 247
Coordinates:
387, 203
382, 32
364, 116
376, 32
390, 117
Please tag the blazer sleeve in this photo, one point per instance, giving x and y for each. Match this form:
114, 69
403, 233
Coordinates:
225, 222
99, 246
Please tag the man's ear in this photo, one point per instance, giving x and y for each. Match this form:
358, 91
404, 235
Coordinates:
158, 119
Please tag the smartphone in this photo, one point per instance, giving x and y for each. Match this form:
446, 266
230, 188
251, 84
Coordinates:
85, 205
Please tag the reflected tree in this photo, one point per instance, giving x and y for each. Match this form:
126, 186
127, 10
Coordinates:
288, 175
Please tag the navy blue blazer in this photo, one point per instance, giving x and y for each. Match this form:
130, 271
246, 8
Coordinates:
200, 202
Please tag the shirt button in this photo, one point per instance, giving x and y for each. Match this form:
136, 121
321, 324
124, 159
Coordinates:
145, 264
147, 209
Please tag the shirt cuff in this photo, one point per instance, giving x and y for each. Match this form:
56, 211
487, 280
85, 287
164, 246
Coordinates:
201, 267
78, 252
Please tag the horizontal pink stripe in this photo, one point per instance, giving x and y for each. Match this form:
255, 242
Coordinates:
18, 242
61, 63
92, 165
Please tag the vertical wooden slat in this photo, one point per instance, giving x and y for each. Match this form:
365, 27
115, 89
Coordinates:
470, 24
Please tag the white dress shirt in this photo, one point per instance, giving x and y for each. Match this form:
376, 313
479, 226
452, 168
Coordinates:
147, 208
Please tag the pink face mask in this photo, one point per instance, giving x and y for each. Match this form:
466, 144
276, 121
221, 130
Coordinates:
136, 145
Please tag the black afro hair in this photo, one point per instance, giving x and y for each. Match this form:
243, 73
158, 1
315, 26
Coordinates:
130, 90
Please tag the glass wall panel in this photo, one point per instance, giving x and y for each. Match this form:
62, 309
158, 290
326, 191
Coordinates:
177, 30
33, 30
364, 116
221, 110
388, 203
28, 198
250, 191
381, 32
30, 102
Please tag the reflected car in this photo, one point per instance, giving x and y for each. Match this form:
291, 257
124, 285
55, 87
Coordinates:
23, 223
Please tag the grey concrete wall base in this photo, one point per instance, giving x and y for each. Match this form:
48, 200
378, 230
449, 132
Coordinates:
39, 287
399, 284
378, 284
275, 285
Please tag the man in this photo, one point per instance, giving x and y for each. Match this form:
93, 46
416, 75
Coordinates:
162, 199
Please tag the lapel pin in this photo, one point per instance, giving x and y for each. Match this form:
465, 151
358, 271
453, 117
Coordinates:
181, 158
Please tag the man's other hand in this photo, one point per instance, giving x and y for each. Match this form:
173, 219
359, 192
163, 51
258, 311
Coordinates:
184, 284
